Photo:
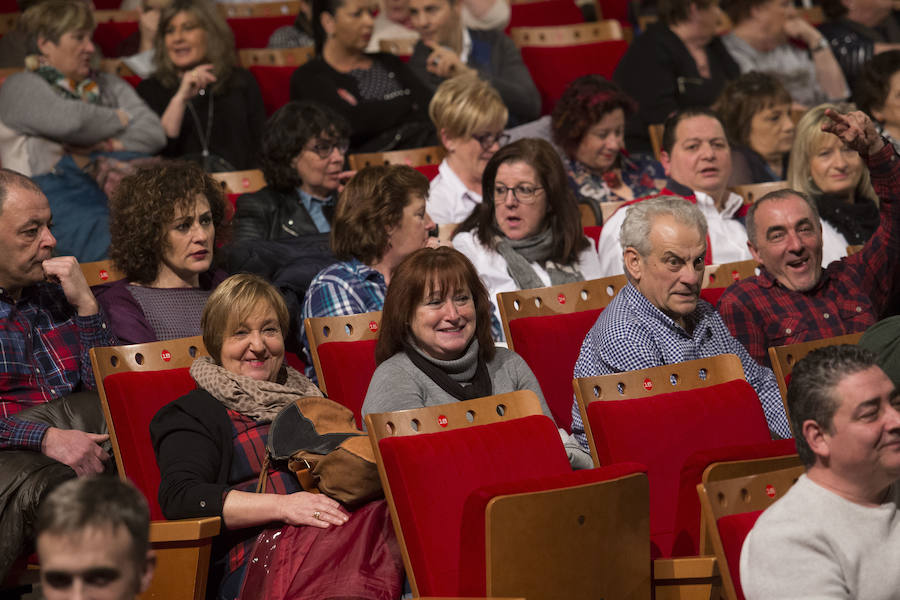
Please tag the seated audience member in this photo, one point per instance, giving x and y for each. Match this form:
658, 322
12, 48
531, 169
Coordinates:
658, 318
393, 22
755, 111
137, 49
382, 99
435, 347
380, 220
303, 151
588, 123
833, 175
50, 321
835, 533
697, 159
298, 34
883, 338
469, 116
59, 114
878, 94
759, 41
210, 446
527, 232
676, 63
93, 541
163, 224
794, 299
857, 31
211, 109
448, 49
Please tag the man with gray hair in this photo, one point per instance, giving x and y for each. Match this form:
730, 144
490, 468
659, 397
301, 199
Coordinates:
836, 532
93, 541
793, 299
658, 318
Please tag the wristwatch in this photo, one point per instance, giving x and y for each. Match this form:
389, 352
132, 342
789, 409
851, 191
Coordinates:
823, 43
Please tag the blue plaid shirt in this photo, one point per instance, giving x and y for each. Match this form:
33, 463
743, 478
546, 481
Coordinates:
345, 288
632, 334
44, 354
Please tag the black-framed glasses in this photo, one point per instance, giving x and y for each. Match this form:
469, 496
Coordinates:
487, 140
525, 193
324, 148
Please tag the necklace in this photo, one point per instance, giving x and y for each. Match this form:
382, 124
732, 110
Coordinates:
204, 135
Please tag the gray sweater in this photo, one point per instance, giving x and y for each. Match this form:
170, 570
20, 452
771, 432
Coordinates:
813, 543
37, 122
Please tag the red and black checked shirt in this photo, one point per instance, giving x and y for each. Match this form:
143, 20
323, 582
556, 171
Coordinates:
44, 354
247, 461
850, 296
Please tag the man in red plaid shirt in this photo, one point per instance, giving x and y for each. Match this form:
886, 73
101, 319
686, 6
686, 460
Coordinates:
794, 299
49, 321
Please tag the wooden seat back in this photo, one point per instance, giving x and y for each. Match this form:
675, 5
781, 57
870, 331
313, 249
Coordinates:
412, 157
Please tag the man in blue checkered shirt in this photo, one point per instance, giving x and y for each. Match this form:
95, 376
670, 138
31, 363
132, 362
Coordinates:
658, 318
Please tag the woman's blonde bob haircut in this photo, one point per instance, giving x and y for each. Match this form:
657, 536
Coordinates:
49, 20
465, 105
809, 138
236, 299
219, 42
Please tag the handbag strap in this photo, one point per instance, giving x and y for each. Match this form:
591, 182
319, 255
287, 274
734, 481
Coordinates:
263, 476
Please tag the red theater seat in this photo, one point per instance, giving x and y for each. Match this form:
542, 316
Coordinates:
343, 353
546, 327
254, 32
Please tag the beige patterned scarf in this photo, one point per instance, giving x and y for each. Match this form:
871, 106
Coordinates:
259, 400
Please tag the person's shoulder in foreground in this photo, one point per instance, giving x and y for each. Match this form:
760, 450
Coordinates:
836, 533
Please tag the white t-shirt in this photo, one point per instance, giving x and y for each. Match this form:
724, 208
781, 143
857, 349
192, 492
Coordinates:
449, 200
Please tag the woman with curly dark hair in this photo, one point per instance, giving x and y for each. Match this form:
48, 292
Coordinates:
163, 224
588, 123
303, 150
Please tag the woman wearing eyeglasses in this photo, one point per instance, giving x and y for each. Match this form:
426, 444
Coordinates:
527, 232
588, 123
469, 116
303, 149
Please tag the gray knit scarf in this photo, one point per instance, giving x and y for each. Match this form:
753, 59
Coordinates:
537, 248
259, 400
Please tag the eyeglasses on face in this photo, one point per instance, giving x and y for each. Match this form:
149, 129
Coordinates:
487, 140
525, 193
324, 148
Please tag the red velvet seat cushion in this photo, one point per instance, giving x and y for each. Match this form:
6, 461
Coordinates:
552, 69
550, 345
687, 519
254, 32
593, 232
347, 368
544, 13
110, 34
134, 398
712, 295
432, 475
733, 530
472, 572
429, 171
664, 430
274, 84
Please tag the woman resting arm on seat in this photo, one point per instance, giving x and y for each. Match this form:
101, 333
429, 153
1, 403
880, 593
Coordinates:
435, 345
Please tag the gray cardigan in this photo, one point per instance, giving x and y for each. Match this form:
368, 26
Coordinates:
37, 121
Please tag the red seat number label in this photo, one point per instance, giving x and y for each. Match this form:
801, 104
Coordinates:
648, 385
561, 298
373, 326
103, 274
166, 355
770, 491
442, 421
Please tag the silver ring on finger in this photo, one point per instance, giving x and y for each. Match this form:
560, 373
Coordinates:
317, 516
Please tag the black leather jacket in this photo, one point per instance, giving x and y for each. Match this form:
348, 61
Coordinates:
270, 214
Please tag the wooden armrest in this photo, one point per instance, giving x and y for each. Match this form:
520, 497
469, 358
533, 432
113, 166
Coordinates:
184, 529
